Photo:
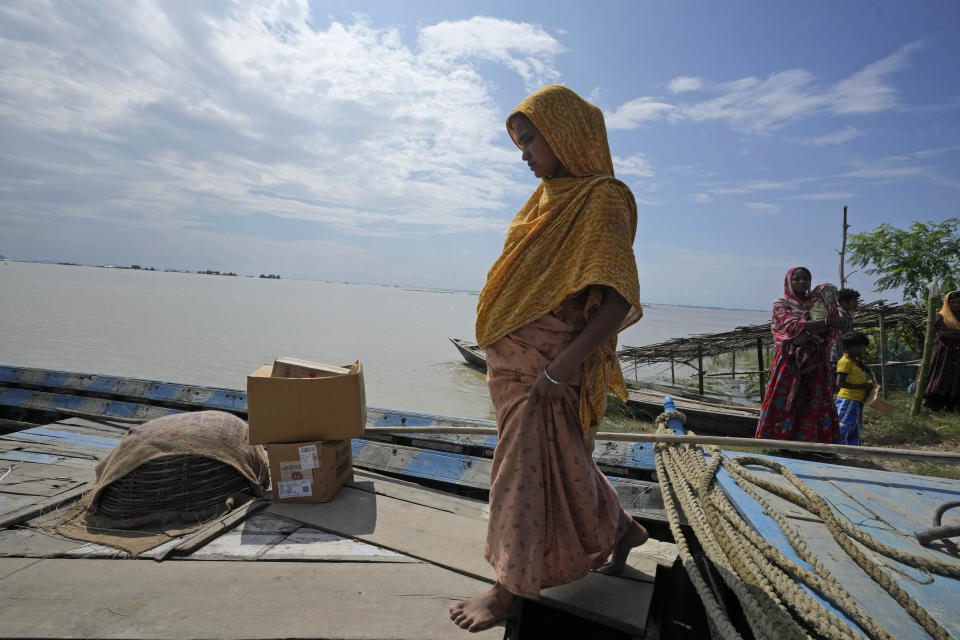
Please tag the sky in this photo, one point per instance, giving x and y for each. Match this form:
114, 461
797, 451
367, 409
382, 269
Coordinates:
365, 141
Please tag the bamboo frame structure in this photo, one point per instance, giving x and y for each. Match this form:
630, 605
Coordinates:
692, 349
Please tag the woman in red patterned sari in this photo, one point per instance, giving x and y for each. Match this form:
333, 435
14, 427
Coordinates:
798, 403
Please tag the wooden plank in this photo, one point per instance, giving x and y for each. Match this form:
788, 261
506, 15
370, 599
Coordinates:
52, 447
10, 566
22, 455
12, 503
39, 487
639, 498
28, 543
34, 509
349, 600
410, 492
619, 458
217, 527
236, 545
311, 544
68, 437
442, 538
439, 466
456, 542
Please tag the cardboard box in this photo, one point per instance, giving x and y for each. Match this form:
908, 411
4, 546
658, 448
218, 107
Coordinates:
309, 471
284, 410
297, 368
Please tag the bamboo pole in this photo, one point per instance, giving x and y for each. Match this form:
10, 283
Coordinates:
882, 349
932, 300
843, 249
944, 457
673, 376
760, 368
733, 365
700, 366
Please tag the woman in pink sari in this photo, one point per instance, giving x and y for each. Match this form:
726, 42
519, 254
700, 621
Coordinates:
798, 403
548, 316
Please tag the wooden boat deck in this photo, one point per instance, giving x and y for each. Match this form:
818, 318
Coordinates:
386, 556
383, 559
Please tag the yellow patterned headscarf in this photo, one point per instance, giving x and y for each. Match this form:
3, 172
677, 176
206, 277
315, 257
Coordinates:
572, 233
951, 321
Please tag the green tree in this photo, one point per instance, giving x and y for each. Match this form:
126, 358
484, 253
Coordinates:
909, 259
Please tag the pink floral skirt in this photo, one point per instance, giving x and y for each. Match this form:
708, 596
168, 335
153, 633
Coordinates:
553, 514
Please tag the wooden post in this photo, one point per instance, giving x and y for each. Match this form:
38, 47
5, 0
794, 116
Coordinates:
760, 367
843, 248
673, 377
932, 300
882, 352
700, 366
733, 365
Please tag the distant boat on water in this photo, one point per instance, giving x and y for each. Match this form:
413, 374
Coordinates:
474, 355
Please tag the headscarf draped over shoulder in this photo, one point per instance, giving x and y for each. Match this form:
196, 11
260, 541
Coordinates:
791, 311
949, 319
572, 233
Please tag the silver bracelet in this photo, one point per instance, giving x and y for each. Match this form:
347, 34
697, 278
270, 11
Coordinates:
551, 379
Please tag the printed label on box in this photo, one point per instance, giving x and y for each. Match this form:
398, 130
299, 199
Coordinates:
293, 472
308, 457
295, 489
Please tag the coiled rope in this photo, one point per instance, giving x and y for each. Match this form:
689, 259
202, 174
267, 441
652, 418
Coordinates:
767, 583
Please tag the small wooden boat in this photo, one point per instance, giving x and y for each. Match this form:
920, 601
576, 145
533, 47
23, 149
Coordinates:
705, 417
702, 417
474, 355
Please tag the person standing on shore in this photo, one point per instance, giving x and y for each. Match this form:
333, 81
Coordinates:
848, 300
943, 383
798, 403
853, 384
565, 284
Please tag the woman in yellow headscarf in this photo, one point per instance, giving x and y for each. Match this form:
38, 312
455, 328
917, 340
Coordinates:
943, 383
563, 287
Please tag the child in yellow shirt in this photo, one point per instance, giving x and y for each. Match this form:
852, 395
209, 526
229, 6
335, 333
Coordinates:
853, 384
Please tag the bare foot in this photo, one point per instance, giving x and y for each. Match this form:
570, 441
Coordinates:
485, 610
634, 536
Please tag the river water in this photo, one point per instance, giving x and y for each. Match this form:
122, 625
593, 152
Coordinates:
214, 330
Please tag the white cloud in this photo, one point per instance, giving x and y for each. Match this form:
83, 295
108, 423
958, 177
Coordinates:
635, 165
764, 207
837, 137
526, 48
825, 195
175, 115
761, 106
701, 197
684, 83
867, 91
636, 112
756, 186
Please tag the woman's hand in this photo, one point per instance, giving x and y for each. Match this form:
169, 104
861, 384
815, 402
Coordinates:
545, 390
